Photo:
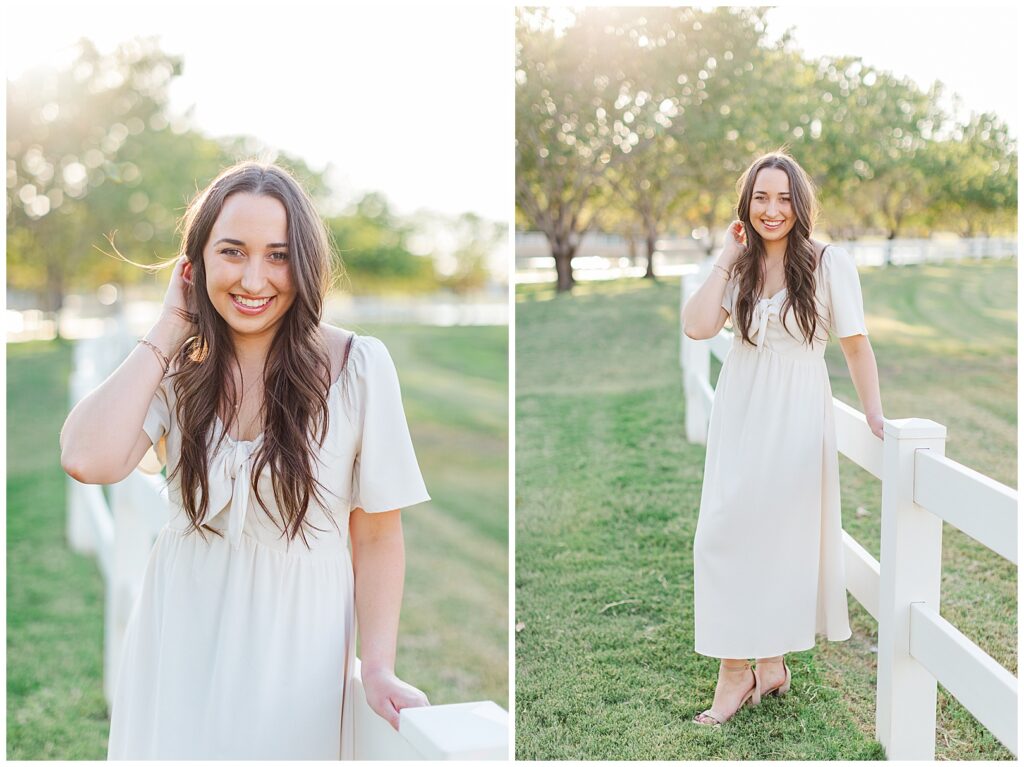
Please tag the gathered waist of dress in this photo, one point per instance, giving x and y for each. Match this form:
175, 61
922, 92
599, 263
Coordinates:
797, 354
327, 543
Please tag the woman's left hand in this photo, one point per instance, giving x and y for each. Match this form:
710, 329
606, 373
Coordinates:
876, 422
387, 694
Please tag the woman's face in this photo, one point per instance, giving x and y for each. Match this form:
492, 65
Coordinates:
248, 277
771, 208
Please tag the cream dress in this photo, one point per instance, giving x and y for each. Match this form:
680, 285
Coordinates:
242, 646
768, 551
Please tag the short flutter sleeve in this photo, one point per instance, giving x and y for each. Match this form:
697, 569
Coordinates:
729, 298
385, 474
158, 417
845, 294
156, 425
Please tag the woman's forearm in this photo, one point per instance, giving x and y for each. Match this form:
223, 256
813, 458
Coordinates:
702, 310
378, 560
103, 430
860, 359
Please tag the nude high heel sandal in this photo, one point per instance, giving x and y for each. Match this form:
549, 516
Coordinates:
783, 687
753, 697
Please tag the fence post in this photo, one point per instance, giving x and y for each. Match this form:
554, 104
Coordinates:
695, 359
132, 544
911, 561
78, 527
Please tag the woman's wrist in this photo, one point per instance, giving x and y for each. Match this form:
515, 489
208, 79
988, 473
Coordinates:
726, 260
368, 667
169, 332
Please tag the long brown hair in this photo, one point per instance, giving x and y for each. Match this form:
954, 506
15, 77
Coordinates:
297, 371
800, 265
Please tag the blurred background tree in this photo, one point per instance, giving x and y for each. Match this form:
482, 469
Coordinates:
475, 238
372, 244
70, 169
97, 162
564, 131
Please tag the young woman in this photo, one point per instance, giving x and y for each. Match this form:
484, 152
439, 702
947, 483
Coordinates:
285, 439
768, 551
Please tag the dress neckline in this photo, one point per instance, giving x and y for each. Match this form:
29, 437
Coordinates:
259, 437
776, 295
821, 257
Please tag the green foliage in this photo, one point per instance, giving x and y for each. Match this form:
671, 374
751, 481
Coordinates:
67, 171
640, 120
372, 245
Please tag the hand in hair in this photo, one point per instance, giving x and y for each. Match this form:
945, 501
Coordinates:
735, 244
175, 314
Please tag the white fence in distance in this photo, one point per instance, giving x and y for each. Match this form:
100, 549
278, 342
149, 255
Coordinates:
119, 524
920, 488
608, 256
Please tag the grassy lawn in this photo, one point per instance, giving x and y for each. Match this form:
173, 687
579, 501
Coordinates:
607, 494
453, 641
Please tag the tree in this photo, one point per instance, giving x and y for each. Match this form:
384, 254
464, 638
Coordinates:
475, 240
66, 133
372, 242
93, 155
564, 136
731, 109
975, 170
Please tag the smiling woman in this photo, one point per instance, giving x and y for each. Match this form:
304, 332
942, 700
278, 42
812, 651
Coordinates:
242, 642
770, 506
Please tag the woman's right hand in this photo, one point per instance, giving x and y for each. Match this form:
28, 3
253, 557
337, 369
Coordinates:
735, 244
174, 315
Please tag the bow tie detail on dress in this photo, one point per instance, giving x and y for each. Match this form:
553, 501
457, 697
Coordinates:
763, 309
231, 483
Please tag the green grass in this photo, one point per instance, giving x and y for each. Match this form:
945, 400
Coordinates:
607, 496
453, 641
55, 704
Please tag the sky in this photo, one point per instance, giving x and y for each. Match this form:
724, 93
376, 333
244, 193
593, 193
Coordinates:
409, 101
417, 102
971, 49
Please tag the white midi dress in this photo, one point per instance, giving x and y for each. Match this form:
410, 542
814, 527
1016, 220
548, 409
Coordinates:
243, 646
768, 550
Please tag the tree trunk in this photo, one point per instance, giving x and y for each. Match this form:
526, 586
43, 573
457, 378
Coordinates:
652, 240
562, 250
887, 261
54, 295
563, 269
710, 224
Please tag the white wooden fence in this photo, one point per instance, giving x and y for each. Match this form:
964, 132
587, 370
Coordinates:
607, 256
920, 489
118, 525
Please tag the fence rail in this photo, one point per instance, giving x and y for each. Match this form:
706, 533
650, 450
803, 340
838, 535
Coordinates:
920, 488
120, 531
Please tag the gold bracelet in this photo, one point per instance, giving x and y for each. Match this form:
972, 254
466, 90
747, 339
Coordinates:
164, 360
728, 274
